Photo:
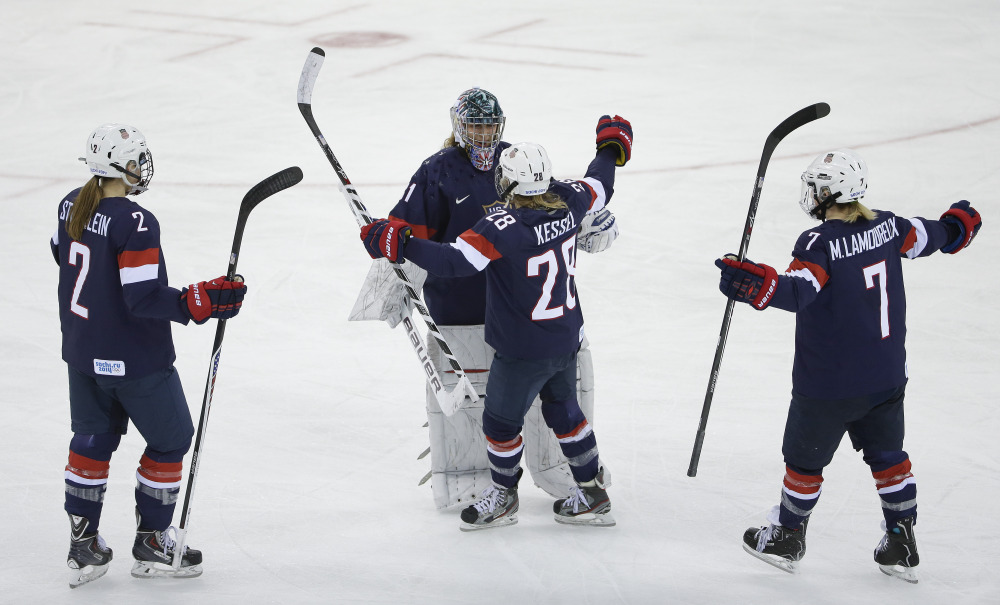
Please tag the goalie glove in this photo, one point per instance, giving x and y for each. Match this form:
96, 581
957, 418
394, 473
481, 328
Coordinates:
383, 296
597, 232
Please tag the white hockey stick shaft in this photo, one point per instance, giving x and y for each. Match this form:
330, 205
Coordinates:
449, 401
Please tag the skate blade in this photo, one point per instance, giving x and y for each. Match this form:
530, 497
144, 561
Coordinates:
907, 574
780, 562
592, 519
149, 569
88, 573
501, 522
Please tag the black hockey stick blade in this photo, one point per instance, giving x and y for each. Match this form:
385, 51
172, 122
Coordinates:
275, 183
789, 124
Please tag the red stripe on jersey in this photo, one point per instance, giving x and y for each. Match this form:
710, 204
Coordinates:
421, 231
480, 243
88, 468
802, 484
576, 431
893, 475
593, 194
160, 472
817, 271
908, 243
138, 258
505, 446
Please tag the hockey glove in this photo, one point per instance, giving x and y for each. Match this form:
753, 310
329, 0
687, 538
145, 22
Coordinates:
747, 282
615, 131
597, 232
967, 220
216, 298
386, 238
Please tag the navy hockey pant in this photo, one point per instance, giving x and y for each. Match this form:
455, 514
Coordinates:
512, 387
813, 432
101, 408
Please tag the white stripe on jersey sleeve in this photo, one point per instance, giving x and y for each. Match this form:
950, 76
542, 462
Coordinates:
602, 196
475, 257
807, 275
921, 243
55, 238
131, 275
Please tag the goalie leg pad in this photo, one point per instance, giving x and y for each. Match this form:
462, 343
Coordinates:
460, 468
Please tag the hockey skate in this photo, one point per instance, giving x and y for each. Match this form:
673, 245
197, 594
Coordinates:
496, 507
777, 545
588, 504
88, 555
154, 556
896, 554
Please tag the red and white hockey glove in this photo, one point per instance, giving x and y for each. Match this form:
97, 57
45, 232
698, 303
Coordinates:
747, 282
217, 298
615, 131
386, 238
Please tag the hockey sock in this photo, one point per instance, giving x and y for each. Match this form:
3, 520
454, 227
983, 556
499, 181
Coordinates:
87, 475
799, 493
158, 483
895, 484
576, 437
504, 447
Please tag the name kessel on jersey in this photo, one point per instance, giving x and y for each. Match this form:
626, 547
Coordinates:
875, 237
546, 232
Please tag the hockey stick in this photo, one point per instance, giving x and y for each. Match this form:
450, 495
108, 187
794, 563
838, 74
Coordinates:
797, 119
257, 194
449, 401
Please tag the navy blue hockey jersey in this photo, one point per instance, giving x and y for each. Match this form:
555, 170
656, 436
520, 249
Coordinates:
115, 307
529, 257
446, 196
845, 284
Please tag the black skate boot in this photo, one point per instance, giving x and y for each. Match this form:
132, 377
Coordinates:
496, 507
588, 504
777, 545
896, 554
154, 556
88, 555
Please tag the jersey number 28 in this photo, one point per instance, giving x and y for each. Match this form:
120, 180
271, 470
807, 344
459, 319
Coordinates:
550, 261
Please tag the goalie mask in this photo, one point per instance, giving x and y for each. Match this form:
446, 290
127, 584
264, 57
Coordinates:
120, 151
477, 123
839, 177
524, 169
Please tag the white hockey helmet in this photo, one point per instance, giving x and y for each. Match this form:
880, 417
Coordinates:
838, 176
524, 169
477, 122
120, 151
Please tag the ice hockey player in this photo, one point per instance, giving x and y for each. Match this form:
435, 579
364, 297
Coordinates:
533, 317
115, 310
448, 194
845, 285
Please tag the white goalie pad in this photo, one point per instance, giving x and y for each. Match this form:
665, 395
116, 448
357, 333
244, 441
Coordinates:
460, 469
383, 296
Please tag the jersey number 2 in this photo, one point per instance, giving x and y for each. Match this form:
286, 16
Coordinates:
78, 250
871, 272
542, 311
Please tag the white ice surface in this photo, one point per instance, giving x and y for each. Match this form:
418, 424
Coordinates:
308, 486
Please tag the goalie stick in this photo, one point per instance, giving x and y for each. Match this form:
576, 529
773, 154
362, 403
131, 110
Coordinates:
449, 401
797, 119
257, 194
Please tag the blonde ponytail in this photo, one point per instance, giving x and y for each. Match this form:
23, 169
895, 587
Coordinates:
84, 207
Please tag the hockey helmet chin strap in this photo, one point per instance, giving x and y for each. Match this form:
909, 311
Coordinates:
826, 203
